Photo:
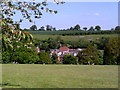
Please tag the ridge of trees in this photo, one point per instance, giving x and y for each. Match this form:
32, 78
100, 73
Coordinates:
75, 28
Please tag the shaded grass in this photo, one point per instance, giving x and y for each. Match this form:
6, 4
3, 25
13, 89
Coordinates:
60, 76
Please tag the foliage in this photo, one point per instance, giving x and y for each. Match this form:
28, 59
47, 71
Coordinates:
117, 28
88, 56
111, 52
48, 28
12, 38
47, 42
77, 27
27, 9
33, 27
98, 28
44, 58
74, 32
54, 58
100, 56
42, 28
6, 57
85, 28
21, 55
91, 28
69, 59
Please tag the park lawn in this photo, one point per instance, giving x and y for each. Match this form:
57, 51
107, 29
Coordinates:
74, 37
59, 76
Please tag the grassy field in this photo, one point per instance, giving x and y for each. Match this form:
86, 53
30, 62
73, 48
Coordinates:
59, 76
74, 38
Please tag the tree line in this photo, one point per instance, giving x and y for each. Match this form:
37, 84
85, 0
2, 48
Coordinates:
75, 28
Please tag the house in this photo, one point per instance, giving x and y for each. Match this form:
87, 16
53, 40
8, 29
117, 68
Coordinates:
64, 49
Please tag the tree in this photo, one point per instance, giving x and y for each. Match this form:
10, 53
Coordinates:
54, 29
48, 28
91, 28
12, 36
33, 27
27, 9
100, 55
88, 56
85, 28
5, 57
77, 27
98, 28
45, 46
117, 28
25, 56
112, 29
42, 28
44, 58
69, 59
54, 58
21, 55
111, 52
71, 28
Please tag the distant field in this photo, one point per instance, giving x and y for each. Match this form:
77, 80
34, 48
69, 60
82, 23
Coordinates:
59, 76
76, 32
73, 38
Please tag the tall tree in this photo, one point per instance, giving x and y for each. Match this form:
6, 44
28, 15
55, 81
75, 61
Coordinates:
111, 52
33, 27
71, 28
77, 27
42, 28
98, 28
48, 28
91, 28
88, 56
54, 29
117, 28
85, 28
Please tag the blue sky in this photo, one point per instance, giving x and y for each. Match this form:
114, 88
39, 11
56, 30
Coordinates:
86, 14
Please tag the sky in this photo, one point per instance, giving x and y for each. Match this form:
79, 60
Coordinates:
86, 14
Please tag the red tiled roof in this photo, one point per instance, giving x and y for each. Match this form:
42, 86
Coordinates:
63, 49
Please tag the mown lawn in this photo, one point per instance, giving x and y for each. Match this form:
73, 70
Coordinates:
59, 76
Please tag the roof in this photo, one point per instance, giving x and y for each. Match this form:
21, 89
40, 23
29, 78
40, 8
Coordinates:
63, 49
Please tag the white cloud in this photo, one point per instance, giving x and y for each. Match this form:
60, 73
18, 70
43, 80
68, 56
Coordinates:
97, 14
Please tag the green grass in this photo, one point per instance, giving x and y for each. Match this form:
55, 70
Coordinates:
59, 76
74, 38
